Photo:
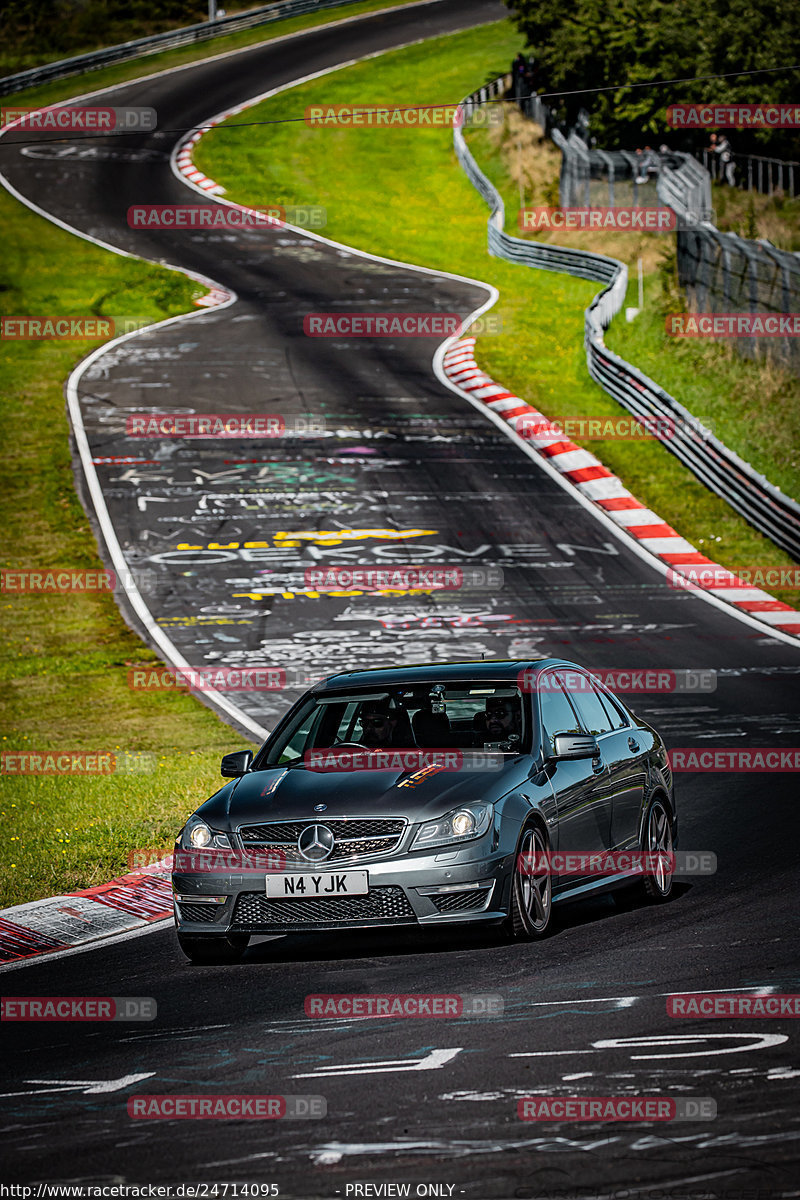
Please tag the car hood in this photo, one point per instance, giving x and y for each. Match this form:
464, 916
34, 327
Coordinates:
286, 794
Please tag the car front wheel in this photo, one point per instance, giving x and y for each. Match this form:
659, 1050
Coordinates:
530, 910
210, 949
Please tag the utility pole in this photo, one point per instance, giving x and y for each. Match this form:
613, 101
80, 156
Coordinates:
212, 10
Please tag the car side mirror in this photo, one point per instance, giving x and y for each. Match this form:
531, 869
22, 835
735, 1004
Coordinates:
575, 745
236, 764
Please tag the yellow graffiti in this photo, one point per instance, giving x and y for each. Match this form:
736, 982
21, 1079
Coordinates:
322, 537
310, 594
334, 537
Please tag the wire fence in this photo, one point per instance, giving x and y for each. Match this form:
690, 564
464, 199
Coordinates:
720, 272
718, 467
724, 273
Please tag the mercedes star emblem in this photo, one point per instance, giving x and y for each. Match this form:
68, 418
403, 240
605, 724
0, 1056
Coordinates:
315, 843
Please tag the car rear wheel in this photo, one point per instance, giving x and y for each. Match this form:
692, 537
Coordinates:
530, 911
657, 840
217, 948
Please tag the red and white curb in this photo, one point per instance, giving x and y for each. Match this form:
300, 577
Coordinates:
186, 167
597, 484
124, 904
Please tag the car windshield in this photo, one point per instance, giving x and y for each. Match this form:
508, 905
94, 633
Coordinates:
479, 716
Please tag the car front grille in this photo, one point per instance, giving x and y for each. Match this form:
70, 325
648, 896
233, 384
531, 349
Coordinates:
381, 904
448, 902
352, 839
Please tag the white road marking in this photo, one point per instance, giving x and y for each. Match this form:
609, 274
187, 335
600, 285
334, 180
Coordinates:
432, 1062
89, 1087
758, 1041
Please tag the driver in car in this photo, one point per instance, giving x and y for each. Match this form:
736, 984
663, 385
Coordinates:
382, 725
503, 719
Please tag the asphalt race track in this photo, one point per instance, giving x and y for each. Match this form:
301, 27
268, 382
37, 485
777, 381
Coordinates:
406, 472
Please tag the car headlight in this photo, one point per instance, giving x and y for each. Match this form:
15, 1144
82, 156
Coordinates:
460, 825
196, 835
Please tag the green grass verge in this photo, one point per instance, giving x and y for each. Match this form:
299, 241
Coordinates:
400, 192
65, 658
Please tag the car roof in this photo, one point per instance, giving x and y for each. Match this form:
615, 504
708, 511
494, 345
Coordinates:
498, 669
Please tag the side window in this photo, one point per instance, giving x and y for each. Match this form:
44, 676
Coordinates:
558, 715
615, 713
296, 745
591, 709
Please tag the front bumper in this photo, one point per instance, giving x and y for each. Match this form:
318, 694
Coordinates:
450, 887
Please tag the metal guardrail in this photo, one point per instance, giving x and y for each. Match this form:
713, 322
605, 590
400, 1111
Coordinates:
685, 188
720, 469
170, 40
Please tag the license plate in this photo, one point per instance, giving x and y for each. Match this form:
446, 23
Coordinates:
307, 886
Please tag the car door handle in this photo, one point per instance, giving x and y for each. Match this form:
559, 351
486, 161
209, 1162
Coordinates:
633, 744
598, 766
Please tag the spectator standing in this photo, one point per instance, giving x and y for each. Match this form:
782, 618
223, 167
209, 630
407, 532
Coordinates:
519, 69
727, 165
651, 163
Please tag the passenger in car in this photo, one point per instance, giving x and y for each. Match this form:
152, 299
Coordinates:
503, 719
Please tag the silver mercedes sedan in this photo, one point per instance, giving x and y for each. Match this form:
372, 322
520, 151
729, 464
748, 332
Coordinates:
466, 792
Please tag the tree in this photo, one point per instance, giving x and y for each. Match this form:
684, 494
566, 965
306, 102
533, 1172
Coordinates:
619, 45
